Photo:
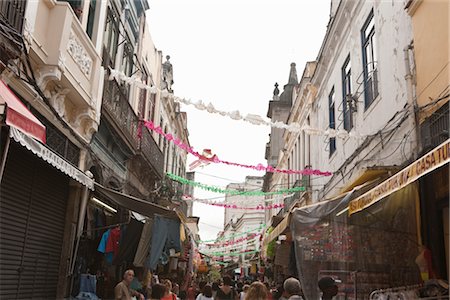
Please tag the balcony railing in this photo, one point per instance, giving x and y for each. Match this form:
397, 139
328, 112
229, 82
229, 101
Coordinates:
13, 13
116, 104
150, 150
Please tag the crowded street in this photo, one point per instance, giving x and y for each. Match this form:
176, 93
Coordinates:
224, 150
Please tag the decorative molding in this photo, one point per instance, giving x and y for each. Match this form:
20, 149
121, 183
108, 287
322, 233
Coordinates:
61, 61
28, 32
45, 74
58, 100
79, 54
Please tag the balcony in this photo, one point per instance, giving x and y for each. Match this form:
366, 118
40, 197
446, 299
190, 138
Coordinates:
68, 68
151, 152
121, 115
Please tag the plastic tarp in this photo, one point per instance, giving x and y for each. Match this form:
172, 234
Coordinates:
375, 248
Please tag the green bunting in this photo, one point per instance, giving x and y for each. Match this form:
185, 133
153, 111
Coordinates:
232, 192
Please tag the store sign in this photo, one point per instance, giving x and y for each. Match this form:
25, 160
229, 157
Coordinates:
427, 163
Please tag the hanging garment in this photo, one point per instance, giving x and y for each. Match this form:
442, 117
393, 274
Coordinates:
88, 283
165, 235
113, 241
129, 242
143, 248
102, 245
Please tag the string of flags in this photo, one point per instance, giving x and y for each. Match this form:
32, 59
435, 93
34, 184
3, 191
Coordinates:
233, 206
231, 192
215, 159
262, 226
253, 119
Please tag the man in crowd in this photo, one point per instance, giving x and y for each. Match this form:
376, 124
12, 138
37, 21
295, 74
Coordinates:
123, 291
292, 289
328, 287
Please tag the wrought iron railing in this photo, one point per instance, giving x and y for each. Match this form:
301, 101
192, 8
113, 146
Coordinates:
13, 12
150, 150
116, 104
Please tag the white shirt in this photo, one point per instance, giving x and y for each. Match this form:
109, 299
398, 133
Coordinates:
202, 297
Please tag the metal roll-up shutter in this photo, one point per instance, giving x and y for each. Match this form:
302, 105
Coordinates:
33, 199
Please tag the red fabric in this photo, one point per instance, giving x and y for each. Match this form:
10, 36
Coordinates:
428, 259
112, 245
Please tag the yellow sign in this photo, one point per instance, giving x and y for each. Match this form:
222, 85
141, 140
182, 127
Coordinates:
427, 163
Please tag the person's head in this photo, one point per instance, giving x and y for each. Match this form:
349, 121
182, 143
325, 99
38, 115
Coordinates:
176, 288
257, 291
158, 291
207, 291
201, 285
227, 280
168, 285
128, 276
215, 286
292, 286
328, 286
245, 288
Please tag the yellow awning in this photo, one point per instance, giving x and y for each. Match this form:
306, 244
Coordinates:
434, 159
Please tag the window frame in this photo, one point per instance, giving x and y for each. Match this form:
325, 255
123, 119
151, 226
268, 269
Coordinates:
346, 90
369, 43
332, 120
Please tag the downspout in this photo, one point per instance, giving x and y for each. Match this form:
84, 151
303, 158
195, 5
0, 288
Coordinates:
412, 100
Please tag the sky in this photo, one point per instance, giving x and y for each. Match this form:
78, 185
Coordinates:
231, 53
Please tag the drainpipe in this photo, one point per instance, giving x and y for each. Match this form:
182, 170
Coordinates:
412, 100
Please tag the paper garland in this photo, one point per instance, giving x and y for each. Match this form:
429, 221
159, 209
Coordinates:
215, 159
234, 115
233, 206
262, 226
230, 254
233, 242
231, 192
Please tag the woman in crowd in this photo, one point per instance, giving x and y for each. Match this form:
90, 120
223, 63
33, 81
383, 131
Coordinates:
206, 293
226, 292
257, 291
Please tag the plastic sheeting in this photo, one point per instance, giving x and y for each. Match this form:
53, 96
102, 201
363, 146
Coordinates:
375, 248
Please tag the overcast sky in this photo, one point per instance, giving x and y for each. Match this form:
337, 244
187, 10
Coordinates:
231, 53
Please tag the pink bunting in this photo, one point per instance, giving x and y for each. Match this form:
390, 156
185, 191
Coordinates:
258, 167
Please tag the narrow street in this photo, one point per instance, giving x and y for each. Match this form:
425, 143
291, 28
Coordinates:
224, 150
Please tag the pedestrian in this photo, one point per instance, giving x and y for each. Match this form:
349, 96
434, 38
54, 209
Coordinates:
257, 291
123, 291
169, 295
328, 287
292, 289
226, 292
244, 291
158, 291
281, 293
215, 288
206, 293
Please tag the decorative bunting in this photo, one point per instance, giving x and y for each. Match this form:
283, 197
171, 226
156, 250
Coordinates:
235, 115
234, 206
231, 254
215, 159
232, 192
233, 242
262, 226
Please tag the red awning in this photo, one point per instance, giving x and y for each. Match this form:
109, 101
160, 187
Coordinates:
19, 116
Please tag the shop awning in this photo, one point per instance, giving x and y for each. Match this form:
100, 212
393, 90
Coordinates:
18, 116
424, 165
51, 157
134, 204
279, 229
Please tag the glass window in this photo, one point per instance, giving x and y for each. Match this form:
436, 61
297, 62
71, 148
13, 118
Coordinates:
332, 120
369, 51
347, 94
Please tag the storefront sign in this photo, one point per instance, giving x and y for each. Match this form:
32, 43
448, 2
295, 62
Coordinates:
427, 163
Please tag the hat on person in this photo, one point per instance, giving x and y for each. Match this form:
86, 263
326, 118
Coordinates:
326, 282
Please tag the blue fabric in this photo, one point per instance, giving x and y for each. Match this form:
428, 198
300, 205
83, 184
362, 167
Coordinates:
165, 236
86, 296
102, 245
109, 257
88, 283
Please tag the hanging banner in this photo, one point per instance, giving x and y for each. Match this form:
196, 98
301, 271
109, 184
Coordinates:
427, 163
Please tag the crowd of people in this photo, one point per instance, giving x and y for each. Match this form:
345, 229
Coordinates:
224, 289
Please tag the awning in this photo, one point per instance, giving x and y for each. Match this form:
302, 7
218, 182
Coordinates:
51, 157
427, 163
134, 204
18, 116
279, 229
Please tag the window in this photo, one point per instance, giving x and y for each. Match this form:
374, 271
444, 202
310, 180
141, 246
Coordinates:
332, 120
347, 95
369, 61
110, 39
